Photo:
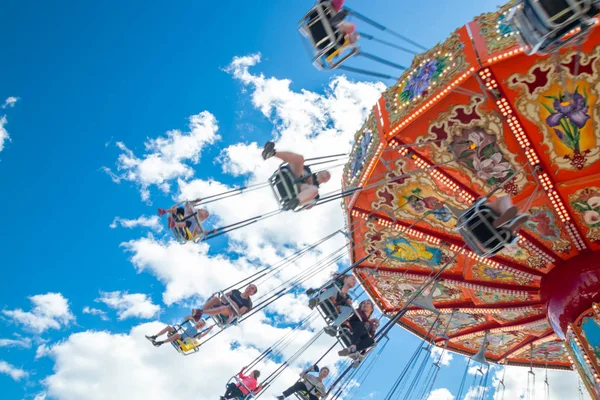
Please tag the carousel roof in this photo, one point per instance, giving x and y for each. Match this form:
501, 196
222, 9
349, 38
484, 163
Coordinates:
470, 114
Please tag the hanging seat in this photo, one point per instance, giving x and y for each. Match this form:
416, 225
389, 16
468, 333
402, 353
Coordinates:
187, 344
194, 233
239, 382
326, 39
286, 187
221, 320
541, 25
475, 226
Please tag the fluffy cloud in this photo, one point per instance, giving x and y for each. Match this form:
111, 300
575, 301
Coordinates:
10, 102
15, 373
153, 222
50, 311
563, 384
134, 305
127, 366
3, 132
95, 311
166, 158
21, 342
435, 354
440, 394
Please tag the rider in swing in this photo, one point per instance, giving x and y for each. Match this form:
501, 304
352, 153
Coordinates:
308, 181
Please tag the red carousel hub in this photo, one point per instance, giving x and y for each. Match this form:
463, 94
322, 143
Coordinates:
570, 289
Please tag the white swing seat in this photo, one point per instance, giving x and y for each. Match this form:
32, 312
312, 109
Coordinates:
326, 40
475, 226
541, 25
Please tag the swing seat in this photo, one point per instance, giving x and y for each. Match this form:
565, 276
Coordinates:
302, 395
239, 383
541, 25
285, 188
184, 235
326, 40
475, 226
221, 320
186, 345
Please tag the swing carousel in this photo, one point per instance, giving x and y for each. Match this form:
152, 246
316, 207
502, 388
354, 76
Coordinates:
476, 115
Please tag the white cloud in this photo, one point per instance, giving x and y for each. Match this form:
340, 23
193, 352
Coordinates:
15, 373
50, 311
435, 354
95, 311
440, 394
3, 132
127, 366
563, 384
135, 305
10, 102
166, 158
476, 392
21, 342
40, 396
42, 351
153, 222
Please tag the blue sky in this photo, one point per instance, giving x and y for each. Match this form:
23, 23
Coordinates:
91, 75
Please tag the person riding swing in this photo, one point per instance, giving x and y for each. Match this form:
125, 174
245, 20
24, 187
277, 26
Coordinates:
225, 308
185, 221
246, 386
306, 182
363, 331
337, 293
189, 331
309, 385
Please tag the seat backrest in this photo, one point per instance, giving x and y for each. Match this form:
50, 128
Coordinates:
284, 185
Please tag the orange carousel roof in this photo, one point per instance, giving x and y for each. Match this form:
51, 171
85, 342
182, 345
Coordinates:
471, 141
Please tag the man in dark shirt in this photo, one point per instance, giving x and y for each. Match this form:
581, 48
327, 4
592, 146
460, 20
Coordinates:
231, 305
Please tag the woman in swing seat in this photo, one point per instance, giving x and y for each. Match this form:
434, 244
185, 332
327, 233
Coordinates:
247, 385
221, 306
307, 181
310, 384
363, 330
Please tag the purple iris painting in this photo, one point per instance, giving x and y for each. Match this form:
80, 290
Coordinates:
568, 115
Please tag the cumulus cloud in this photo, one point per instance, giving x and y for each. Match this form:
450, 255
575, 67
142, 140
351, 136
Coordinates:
563, 384
3, 132
10, 102
440, 394
127, 366
134, 305
435, 354
166, 158
50, 311
15, 373
24, 343
95, 311
153, 222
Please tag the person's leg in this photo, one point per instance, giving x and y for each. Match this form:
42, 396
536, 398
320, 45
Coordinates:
167, 329
506, 217
225, 310
232, 391
295, 161
307, 193
330, 292
345, 313
500, 205
364, 343
296, 387
172, 338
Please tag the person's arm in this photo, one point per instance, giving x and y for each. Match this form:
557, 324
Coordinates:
186, 319
243, 310
206, 332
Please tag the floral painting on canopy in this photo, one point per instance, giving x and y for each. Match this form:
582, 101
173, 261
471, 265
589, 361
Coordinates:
568, 115
478, 151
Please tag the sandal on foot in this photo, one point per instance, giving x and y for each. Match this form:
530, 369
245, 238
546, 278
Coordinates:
161, 212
